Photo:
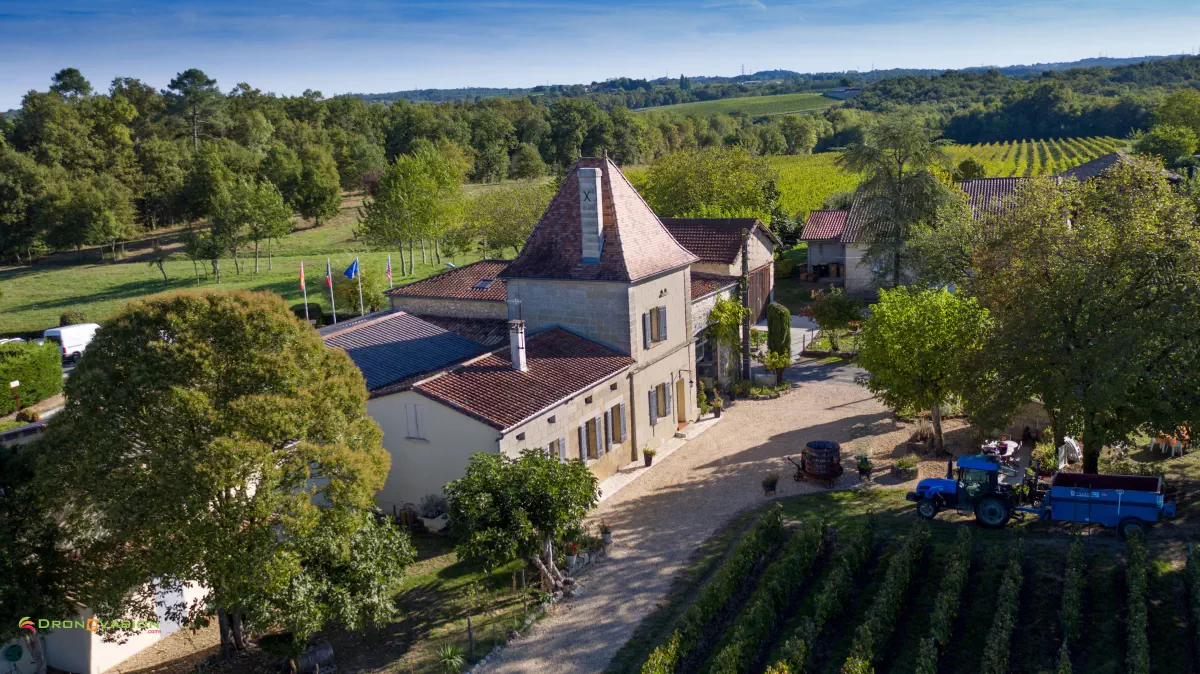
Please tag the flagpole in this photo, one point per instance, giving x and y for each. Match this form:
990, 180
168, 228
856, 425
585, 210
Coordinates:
358, 267
304, 287
329, 281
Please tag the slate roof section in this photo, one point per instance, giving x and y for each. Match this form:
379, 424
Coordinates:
490, 331
990, 195
707, 284
1096, 168
459, 284
636, 245
392, 346
860, 224
824, 226
561, 364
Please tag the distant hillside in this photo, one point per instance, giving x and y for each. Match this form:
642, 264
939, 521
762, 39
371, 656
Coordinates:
748, 85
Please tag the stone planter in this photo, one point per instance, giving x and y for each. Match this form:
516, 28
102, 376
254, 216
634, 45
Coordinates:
434, 524
904, 473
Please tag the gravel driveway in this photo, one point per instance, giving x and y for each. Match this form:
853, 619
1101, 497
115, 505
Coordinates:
659, 520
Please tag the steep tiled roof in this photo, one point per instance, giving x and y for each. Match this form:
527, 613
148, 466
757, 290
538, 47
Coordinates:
560, 363
705, 284
636, 245
824, 225
860, 223
713, 239
989, 195
460, 283
391, 346
1096, 167
490, 331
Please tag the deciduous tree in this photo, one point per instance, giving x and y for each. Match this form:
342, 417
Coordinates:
318, 192
710, 182
236, 453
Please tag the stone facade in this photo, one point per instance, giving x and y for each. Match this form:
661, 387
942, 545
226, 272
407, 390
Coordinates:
598, 310
826, 252
859, 276
702, 308
431, 306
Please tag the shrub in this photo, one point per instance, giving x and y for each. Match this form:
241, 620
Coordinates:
995, 654
315, 312
778, 585
450, 659
1045, 458
702, 400
880, 621
37, 366
834, 311
28, 416
922, 432
779, 329
1137, 658
754, 546
72, 317
908, 462
784, 267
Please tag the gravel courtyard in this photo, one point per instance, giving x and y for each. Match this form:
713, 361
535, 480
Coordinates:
659, 520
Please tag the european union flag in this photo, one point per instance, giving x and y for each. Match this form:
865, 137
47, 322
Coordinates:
352, 270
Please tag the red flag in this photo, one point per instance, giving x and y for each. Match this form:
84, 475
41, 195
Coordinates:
389, 268
302, 275
328, 275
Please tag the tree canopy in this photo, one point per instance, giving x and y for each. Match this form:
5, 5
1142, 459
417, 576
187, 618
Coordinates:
213, 438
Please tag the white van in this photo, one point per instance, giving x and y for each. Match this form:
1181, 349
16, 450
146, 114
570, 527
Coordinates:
72, 339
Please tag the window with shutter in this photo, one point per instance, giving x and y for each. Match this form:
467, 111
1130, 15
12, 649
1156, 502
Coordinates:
653, 406
667, 399
624, 424
562, 449
647, 336
662, 323
608, 430
598, 436
582, 443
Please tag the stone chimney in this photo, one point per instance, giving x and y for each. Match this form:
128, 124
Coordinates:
516, 336
591, 214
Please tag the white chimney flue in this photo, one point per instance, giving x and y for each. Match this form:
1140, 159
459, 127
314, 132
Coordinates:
591, 214
516, 344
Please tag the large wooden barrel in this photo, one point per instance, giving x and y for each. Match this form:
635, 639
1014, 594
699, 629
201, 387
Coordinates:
823, 459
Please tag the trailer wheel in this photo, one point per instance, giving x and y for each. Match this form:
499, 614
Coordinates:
1130, 526
927, 508
993, 512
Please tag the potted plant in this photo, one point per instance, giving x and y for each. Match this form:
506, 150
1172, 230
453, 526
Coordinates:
769, 482
572, 553
864, 466
905, 467
718, 404
432, 512
921, 437
605, 532
648, 455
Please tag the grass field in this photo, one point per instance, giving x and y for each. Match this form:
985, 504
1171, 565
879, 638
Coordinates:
754, 106
1032, 646
34, 297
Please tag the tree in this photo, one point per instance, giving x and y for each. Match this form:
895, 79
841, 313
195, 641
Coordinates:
916, 346
800, 133
1086, 283
282, 167
194, 95
207, 184
1168, 143
233, 434
526, 163
503, 218
900, 193
1180, 108
969, 169
507, 508
833, 310
779, 328
22, 186
709, 182
318, 192
253, 211
374, 291
71, 84
36, 572
158, 258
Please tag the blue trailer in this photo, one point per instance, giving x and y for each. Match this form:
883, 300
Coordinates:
986, 487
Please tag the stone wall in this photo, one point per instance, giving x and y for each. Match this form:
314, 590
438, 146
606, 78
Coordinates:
597, 310
704, 306
672, 291
449, 307
825, 252
858, 271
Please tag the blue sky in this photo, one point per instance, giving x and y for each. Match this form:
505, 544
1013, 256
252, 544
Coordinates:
377, 46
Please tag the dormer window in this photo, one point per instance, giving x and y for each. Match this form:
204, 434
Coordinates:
483, 284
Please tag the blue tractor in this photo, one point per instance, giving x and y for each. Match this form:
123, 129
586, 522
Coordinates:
977, 488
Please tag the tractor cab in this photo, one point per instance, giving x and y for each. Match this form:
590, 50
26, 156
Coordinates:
975, 484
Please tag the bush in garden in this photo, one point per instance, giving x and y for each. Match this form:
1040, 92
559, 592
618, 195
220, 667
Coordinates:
28, 416
834, 311
1137, 658
831, 600
775, 590
72, 317
784, 267
1008, 599
755, 545
779, 328
37, 366
888, 603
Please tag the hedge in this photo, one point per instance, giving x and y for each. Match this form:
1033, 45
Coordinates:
995, 654
37, 366
756, 545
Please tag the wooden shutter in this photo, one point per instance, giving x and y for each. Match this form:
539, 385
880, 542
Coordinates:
562, 449
583, 442
653, 406
608, 430
624, 424
662, 323
599, 435
667, 404
646, 336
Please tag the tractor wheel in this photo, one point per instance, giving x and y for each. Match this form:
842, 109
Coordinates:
1131, 526
927, 508
992, 512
